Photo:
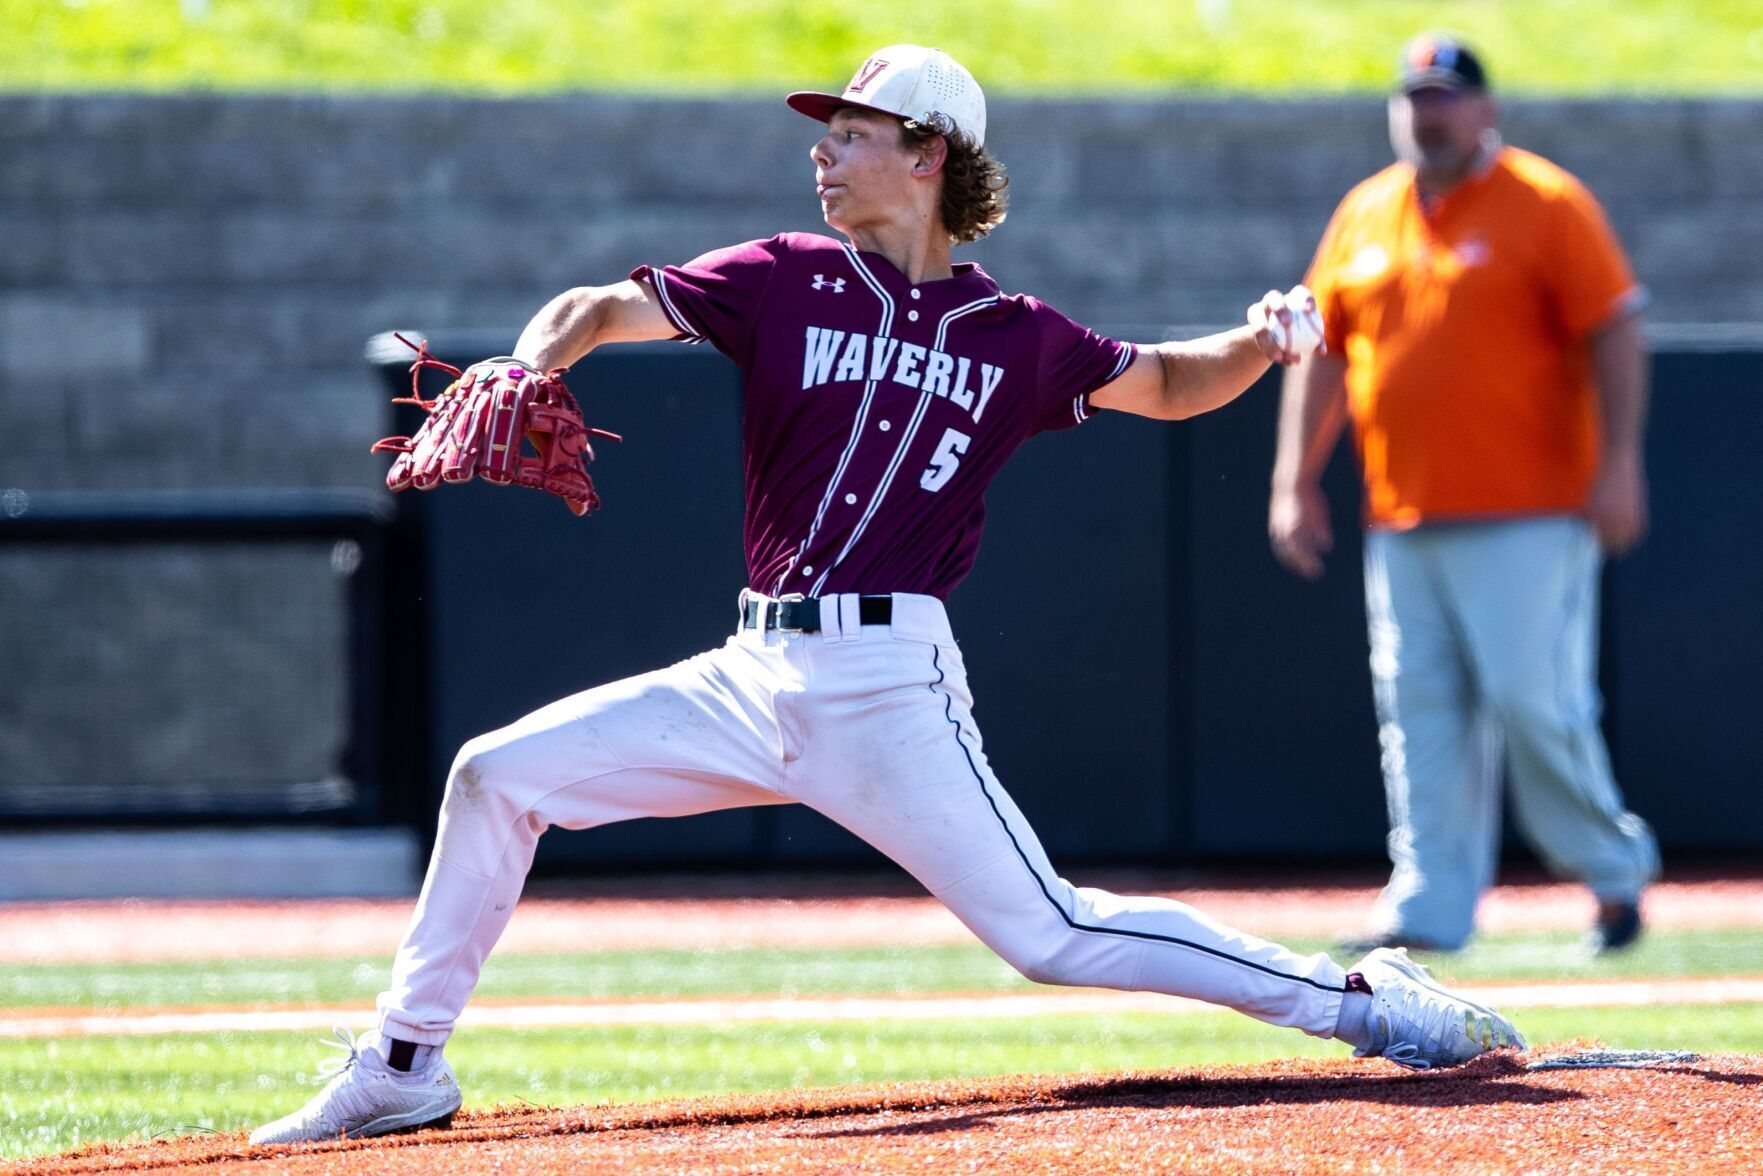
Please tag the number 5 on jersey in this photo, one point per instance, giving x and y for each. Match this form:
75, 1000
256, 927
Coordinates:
944, 460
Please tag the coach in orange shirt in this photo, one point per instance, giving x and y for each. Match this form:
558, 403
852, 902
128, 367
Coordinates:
1483, 335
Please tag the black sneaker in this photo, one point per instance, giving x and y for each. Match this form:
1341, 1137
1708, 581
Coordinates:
1618, 926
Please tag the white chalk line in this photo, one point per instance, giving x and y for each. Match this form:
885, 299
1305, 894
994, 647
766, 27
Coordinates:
773, 1010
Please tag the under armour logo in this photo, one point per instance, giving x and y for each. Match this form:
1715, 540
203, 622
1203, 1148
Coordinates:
822, 282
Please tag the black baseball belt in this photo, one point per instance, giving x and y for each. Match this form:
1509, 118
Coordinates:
802, 614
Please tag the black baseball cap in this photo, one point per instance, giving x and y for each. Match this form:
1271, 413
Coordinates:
1437, 60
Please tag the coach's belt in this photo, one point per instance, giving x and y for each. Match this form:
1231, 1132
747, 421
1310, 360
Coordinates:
802, 614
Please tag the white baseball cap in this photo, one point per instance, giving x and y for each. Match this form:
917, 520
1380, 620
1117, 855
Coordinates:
908, 81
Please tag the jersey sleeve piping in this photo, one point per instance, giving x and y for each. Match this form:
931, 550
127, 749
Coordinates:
1081, 408
1128, 353
673, 313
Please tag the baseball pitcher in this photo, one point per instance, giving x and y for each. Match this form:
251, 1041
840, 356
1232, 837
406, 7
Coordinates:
885, 386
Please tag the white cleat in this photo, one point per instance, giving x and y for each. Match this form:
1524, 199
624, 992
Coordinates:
1418, 1023
367, 1097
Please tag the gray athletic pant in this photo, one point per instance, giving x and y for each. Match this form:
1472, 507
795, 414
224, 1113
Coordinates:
1485, 634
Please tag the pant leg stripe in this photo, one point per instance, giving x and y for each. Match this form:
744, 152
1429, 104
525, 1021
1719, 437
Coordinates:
1125, 933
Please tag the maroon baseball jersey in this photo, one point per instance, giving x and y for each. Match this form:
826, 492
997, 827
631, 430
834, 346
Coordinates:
877, 411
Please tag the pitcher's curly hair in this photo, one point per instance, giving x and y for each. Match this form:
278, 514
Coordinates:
974, 202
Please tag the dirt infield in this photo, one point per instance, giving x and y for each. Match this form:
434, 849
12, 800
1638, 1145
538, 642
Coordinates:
1334, 1116
700, 913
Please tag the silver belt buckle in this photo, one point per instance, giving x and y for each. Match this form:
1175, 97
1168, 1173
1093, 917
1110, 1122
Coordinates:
791, 598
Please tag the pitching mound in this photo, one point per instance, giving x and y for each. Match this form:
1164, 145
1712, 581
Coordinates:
1310, 1116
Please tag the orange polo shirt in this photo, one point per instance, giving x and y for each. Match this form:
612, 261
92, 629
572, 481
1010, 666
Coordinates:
1465, 328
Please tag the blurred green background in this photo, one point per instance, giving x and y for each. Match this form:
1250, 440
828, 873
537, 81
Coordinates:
1021, 46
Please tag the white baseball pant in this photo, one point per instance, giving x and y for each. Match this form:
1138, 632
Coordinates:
870, 725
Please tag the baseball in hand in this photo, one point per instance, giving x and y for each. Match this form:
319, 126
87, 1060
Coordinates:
1306, 328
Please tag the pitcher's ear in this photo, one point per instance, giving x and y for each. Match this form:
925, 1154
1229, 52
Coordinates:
932, 154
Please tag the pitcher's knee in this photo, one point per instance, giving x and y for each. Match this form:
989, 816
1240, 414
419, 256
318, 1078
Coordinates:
480, 779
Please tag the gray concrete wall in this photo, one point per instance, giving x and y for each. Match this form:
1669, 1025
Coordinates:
186, 282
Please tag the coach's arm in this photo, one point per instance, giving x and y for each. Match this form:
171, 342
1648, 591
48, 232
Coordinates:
1617, 501
1174, 381
1312, 415
579, 320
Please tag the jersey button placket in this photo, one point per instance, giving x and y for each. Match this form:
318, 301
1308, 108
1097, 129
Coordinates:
882, 425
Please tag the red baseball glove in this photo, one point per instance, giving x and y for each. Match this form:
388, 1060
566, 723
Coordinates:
476, 428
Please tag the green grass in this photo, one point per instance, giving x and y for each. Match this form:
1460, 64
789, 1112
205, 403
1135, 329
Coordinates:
62, 1094
76, 1091
1561, 956
609, 974
957, 968
1017, 46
